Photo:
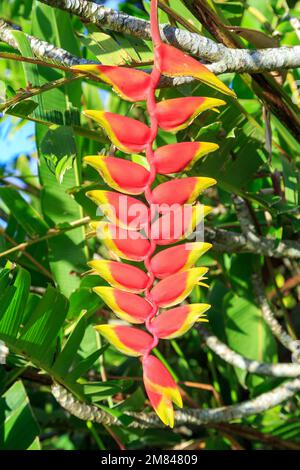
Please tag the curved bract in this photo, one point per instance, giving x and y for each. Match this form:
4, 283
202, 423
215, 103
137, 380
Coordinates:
124, 276
130, 84
127, 134
130, 245
177, 258
174, 158
178, 113
124, 211
174, 289
181, 191
127, 306
115, 173
174, 63
183, 318
139, 231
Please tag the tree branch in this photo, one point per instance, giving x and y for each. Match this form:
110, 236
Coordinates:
41, 49
283, 337
224, 59
237, 360
192, 417
223, 241
266, 88
250, 232
52, 232
232, 242
62, 58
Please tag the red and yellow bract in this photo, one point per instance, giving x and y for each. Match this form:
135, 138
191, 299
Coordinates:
121, 275
174, 158
177, 258
127, 306
178, 113
125, 211
130, 84
181, 191
135, 233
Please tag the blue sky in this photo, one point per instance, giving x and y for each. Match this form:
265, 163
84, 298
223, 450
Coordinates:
15, 141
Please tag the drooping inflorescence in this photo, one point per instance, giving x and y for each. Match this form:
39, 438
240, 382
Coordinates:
137, 230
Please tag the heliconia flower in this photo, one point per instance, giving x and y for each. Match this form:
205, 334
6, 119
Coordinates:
127, 306
178, 223
126, 339
177, 321
124, 211
181, 191
177, 258
175, 63
161, 389
121, 275
178, 113
175, 288
130, 84
174, 158
126, 244
127, 134
122, 175
133, 232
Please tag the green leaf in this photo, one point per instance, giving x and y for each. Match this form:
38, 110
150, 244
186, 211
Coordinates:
40, 333
67, 253
246, 331
23, 109
66, 357
13, 302
85, 364
18, 427
98, 391
23, 212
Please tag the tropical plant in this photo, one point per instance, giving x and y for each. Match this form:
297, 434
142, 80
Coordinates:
65, 65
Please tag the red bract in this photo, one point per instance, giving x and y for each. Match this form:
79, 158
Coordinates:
177, 258
127, 306
126, 244
124, 211
174, 115
174, 289
181, 191
121, 275
177, 321
137, 229
174, 158
126, 339
161, 389
174, 63
128, 134
130, 84
115, 173
178, 223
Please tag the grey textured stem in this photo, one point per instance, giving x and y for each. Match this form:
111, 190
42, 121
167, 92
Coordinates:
224, 59
285, 339
41, 49
249, 230
247, 225
244, 217
45, 51
192, 417
236, 360
232, 242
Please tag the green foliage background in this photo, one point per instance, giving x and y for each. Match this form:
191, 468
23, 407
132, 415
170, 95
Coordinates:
47, 309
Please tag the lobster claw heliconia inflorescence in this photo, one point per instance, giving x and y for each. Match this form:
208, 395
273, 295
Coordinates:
135, 229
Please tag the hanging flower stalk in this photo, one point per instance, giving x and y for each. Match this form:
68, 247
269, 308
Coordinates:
162, 221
